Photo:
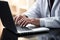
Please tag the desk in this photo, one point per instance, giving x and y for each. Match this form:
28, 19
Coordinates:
6, 35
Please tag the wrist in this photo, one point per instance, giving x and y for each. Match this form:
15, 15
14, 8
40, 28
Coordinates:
35, 22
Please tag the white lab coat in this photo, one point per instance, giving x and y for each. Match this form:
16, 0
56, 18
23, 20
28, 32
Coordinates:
40, 10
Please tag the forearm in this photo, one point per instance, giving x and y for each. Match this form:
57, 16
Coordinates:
52, 22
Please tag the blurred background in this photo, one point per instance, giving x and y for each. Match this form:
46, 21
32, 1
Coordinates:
20, 6
17, 7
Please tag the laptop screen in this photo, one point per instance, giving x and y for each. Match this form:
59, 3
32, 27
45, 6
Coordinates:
6, 16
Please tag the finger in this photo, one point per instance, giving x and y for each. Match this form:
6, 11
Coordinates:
20, 21
18, 18
23, 23
28, 21
14, 18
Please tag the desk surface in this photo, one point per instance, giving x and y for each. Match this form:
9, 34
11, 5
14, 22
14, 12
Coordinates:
49, 35
7, 35
54, 34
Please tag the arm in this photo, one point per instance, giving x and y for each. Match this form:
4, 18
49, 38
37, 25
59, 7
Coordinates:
34, 11
52, 22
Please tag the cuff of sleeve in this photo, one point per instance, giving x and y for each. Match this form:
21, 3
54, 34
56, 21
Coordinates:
27, 14
42, 22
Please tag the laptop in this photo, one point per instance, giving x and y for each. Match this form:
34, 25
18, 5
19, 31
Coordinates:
8, 22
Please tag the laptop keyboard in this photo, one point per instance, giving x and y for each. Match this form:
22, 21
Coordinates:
22, 28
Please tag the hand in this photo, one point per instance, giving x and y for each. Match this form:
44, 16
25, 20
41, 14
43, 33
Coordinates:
18, 17
24, 21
